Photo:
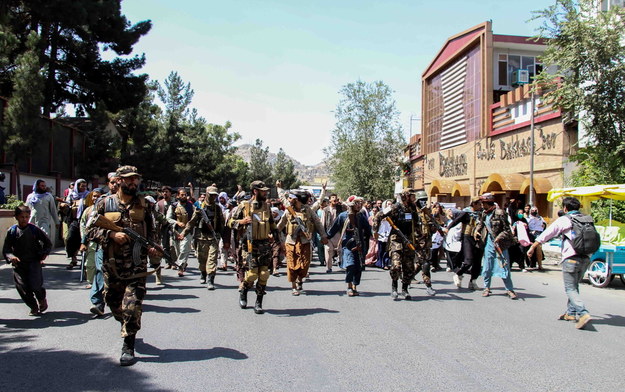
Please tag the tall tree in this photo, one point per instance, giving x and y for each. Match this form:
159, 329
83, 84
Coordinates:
284, 170
22, 117
260, 167
366, 142
72, 36
586, 79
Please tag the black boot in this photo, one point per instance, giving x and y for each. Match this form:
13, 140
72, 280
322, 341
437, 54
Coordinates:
211, 281
128, 351
203, 278
258, 308
404, 291
243, 298
394, 289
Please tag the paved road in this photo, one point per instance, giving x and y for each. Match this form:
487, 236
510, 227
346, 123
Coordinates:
196, 340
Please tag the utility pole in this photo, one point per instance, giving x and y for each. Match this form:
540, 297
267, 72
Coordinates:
532, 151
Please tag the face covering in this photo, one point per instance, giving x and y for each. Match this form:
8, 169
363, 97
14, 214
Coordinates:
534, 213
520, 216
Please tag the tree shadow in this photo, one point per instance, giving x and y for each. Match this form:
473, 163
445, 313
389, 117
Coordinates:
10, 300
169, 297
47, 369
184, 355
163, 309
299, 312
49, 319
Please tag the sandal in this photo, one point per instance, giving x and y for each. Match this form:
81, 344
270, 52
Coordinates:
350, 292
295, 292
567, 317
512, 295
486, 293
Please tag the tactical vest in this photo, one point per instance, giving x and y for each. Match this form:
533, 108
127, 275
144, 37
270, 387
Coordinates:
261, 227
136, 211
308, 223
181, 214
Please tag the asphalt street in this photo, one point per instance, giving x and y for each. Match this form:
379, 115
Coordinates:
193, 339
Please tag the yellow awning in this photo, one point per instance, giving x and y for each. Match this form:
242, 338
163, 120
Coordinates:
460, 190
505, 182
592, 193
541, 185
438, 187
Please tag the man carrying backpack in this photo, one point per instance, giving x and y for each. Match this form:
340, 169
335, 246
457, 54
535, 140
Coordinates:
580, 240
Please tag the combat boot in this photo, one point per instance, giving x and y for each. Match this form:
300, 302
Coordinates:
404, 291
211, 281
128, 351
258, 308
243, 298
394, 289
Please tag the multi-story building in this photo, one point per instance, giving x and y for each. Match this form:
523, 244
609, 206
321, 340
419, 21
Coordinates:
476, 114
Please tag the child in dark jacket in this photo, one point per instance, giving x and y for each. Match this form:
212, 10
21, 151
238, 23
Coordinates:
25, 247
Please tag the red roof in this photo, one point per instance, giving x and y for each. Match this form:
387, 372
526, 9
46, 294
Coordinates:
452, 47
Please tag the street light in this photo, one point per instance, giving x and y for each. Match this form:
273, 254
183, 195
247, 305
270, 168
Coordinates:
412, 118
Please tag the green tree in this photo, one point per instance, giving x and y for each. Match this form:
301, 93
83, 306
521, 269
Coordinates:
586, 60
260, 167
284, 170
73, 33
22, 115
366, 142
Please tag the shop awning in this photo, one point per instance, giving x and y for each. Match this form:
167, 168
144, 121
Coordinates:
502, 182
592, 193
460, 190
541, 185
440, 187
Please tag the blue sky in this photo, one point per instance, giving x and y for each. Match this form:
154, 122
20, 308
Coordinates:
274, 67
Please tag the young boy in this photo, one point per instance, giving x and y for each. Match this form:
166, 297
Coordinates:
25, 247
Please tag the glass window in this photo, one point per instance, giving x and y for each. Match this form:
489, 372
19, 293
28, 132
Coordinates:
526, 62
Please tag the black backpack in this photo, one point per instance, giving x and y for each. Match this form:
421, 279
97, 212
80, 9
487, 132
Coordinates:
586, 240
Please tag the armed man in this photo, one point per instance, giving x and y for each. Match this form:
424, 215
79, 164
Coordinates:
125, 270
409, 242
255, 224
210, 220
301, 223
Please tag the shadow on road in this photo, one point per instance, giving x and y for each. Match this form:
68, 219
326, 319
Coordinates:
168, 297
163, 309
184, 355
299, 312
64, 370
612, 319
47, 320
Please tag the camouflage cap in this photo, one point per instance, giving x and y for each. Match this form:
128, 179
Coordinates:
212, 190
127, 171
258, 185
421, 195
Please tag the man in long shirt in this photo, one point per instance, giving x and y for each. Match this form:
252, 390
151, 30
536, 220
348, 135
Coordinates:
472, 253
298, 246
44, 214
573, 265
330, 213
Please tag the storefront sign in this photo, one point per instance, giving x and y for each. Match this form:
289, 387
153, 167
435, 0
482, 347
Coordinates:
452, 165
514, 147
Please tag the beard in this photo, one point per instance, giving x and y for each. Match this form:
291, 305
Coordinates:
40, 191
260, 198
128, 191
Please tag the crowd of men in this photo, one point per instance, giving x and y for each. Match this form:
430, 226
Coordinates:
121, 232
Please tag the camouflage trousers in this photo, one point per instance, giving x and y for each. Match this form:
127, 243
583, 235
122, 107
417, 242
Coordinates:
207, 255
125, 298
258, 263
405, 263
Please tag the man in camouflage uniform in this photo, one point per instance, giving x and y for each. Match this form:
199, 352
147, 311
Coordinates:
125, 278
414, 222
209, 234
255, 224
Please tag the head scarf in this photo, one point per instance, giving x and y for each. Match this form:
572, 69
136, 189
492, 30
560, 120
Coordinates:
35, 197
76, 195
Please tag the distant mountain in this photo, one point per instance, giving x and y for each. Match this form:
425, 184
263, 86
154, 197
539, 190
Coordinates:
308, 174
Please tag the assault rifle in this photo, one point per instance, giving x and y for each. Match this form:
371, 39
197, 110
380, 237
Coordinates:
298, 221
401, 235
138, 239
207, 222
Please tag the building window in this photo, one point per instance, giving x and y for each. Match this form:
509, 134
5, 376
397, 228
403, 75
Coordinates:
508, 63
